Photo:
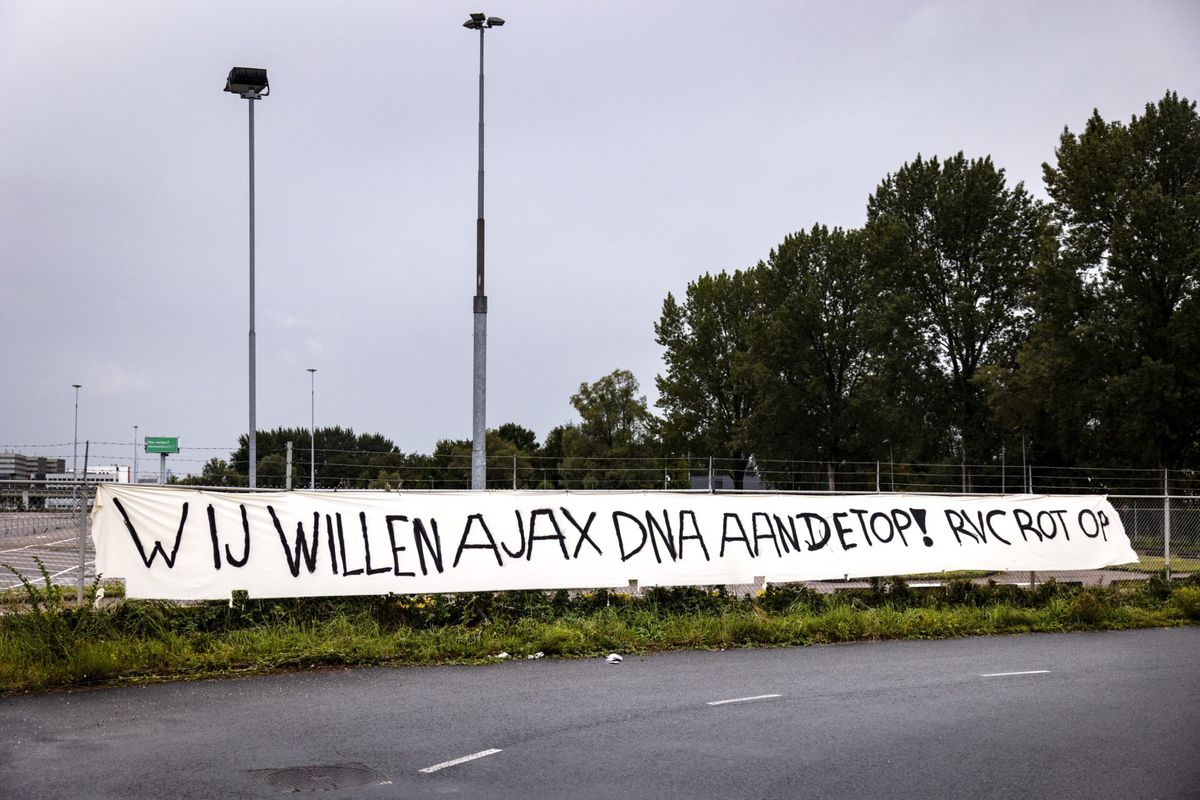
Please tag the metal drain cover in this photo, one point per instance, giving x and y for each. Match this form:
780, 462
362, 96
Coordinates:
321, 778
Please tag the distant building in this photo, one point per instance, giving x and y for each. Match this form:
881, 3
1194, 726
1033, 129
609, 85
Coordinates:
725, 482
63, 481
106, 473
20, 467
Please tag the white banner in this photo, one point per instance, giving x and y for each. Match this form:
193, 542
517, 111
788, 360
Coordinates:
190, 544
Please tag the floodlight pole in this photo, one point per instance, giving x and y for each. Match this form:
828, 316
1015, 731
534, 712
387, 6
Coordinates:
479, 372
134, 476
478, 408
250, 84
252, 438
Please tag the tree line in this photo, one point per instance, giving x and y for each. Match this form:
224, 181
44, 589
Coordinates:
965, 319
966, 316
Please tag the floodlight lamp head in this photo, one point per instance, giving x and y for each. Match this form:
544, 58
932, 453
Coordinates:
248, 82
473, 25
494, 22
478, 16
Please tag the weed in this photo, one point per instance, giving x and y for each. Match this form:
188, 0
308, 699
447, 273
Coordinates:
789, 596
1089, 607
1158, 586
1186, 600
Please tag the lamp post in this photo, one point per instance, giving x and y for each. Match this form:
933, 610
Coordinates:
250, 83
481, 23
135, 427
75, 441
312, 428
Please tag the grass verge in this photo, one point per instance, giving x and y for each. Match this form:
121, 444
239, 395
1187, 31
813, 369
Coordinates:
1157, 564
51, 644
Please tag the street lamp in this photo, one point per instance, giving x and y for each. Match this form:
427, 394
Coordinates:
135, 427
250, 83
75, 444
481, 23
312, 429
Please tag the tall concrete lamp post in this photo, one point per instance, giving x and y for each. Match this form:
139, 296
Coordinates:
75, 443
481, 23
80, 503
250, 83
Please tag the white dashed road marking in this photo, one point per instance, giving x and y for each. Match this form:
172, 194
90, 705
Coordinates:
40, 544
462, 760
742, 699
1006, 674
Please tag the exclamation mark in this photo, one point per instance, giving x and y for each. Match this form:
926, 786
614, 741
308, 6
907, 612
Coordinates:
919, 516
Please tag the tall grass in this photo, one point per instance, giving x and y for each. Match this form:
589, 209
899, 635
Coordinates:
50, 643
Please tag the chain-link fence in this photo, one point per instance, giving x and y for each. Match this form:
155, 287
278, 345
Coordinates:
42, 522
44, 533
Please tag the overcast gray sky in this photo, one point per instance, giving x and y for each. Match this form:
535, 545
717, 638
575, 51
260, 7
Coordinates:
631, 146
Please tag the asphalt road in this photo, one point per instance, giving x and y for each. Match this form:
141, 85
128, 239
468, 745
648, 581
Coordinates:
1096, 715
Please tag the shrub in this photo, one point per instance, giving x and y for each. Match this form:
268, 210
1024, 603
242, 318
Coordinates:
962, 592
778, 597
682, 599
1157, 587
1089, 607
1186, 600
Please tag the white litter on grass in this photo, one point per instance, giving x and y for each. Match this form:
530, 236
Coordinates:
502, 656
538, 654
613, 658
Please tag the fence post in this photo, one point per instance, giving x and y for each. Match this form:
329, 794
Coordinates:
83, 508
287, 474
876, 477
1166, 524
514, 472
710, 473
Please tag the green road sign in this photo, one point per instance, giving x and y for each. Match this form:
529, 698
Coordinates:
162, 444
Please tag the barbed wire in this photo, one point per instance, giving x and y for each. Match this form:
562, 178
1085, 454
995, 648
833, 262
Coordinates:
601, 471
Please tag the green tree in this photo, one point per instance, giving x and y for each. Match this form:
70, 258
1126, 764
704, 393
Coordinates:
957, 247
704, 395
615, 444
1047, 397
453, 457
612, 412
812, 357
547, 459
216, 472
1128, 199
272, 471
344, 459
522, 438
